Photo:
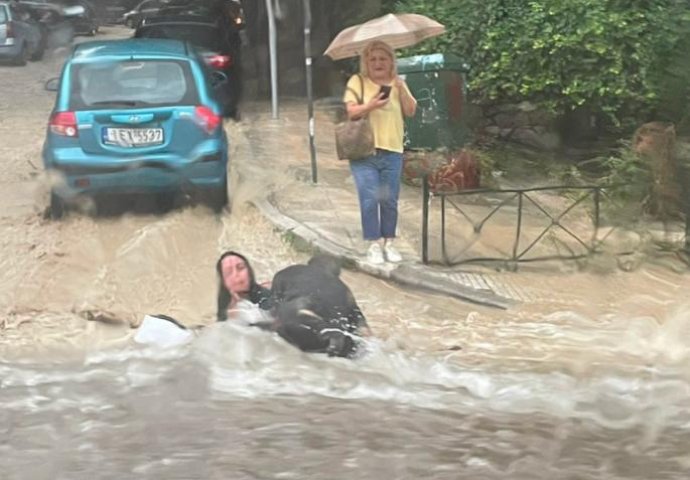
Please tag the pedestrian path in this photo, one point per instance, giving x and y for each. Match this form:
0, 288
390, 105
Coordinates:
325, 215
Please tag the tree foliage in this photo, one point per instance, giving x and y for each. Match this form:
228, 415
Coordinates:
619, 58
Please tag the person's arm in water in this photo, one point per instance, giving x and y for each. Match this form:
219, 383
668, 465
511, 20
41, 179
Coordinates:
356, 318
362, 326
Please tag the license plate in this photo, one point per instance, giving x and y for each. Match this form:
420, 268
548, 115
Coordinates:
133, 137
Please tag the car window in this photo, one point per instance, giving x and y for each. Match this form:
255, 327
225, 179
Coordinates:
132, 83
204, 36
3, 14
20, 14
149, 5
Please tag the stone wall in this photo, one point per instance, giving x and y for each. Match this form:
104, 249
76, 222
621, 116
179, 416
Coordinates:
522, 123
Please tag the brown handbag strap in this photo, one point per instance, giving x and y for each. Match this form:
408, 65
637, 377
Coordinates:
360, 100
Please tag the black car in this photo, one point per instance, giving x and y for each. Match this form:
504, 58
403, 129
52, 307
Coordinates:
109, 12
147, 8
60, 15
229, 12
87, 23
215, 44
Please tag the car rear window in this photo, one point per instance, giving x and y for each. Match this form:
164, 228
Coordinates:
3, 14
132, 83
204, 36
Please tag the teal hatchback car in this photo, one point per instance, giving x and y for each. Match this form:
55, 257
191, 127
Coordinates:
136, 116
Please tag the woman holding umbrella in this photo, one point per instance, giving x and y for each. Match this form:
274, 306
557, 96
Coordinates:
385, 98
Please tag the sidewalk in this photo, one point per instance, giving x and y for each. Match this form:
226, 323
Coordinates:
325, 216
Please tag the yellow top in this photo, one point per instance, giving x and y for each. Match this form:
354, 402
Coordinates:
386, 122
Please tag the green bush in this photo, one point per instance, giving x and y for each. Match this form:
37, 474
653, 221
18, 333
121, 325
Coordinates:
621, 59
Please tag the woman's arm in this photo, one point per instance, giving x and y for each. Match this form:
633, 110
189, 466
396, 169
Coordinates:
408, 103
355, 110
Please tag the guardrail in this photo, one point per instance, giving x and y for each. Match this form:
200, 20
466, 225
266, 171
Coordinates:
520, 197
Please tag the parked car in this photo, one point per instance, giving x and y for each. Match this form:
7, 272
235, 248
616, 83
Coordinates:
136, 116
87, 23
133, 18
61, 20
21, 36
109, 12
79, 13
213, 44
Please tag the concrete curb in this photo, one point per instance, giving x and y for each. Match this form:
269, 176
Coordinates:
407, 274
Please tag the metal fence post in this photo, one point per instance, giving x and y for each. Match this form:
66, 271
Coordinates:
685, 177
425, 219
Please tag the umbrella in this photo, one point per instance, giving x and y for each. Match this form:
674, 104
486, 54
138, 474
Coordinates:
398, 31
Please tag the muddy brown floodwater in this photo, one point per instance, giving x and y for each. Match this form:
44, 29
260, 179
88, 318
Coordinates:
589, 385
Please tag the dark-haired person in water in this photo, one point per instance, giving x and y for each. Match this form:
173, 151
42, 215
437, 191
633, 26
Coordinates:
236, 282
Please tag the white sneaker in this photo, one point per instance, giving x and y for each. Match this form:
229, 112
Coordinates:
374, 254
392, 254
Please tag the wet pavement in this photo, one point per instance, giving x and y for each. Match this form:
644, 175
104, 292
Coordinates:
325, 216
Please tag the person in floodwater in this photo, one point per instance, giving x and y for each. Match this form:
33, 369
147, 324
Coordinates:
309, 306
237, 285
315, 310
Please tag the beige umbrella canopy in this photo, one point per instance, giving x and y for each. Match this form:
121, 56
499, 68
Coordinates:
398, 31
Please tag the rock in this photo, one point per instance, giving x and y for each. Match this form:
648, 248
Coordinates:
493, 131
505, 120
527, 107
548, 141
655, 142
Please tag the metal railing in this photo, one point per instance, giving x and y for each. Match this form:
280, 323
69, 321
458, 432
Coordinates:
522, 197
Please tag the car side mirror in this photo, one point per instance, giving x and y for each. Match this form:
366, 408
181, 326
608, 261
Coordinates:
73, 11
218, 78
52, 85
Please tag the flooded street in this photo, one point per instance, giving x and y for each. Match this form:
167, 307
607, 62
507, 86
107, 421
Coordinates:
591, 385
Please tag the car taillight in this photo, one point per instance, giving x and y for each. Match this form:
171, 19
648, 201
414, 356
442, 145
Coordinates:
219, 61
10, 30
64, 123
209, 120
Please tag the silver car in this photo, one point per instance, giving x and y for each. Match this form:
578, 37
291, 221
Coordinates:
21, 36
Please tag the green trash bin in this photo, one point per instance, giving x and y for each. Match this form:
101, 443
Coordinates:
438, 83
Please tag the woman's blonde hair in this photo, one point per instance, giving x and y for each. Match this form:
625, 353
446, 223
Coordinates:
377, 45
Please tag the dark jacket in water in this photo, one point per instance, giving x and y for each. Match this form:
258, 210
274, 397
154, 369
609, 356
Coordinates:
314, 308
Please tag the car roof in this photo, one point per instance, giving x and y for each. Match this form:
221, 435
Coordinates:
179, 19
131, 47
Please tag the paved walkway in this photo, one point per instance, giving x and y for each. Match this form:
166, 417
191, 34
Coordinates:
325, 216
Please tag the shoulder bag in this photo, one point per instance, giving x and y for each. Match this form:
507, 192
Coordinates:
354, 139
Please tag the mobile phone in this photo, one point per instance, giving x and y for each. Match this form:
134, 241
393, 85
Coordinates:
385, 91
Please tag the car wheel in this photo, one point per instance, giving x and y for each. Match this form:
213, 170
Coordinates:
165, 201
57, 206
40, 51
41, 46
38, 54
23, 56
217, 199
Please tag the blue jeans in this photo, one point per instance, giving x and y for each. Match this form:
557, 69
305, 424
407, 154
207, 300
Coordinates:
378, 184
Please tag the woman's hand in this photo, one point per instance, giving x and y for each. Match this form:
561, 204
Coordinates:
377, 102
355, 111
407, 102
